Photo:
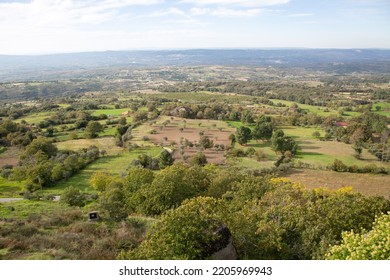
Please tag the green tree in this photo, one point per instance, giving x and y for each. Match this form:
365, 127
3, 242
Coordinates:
171, 187
92, 129
113, 201
166, 159
205, 142
41, 146
189, 232
73, 197
243, 134
367, 245
282, 143
199, 159
263, 131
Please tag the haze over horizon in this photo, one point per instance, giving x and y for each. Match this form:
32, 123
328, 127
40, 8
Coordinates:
47, 27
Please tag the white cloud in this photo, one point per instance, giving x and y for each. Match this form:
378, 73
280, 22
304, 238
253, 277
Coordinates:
224, 12
199, 11
55, 13
243, 3
301, 15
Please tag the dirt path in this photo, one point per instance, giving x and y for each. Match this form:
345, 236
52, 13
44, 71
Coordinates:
10, 199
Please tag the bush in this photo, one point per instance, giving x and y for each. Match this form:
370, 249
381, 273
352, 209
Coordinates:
73, 197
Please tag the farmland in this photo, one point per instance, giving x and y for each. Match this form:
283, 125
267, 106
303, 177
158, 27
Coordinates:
151, 149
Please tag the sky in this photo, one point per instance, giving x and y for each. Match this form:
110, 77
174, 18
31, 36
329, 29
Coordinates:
44, 26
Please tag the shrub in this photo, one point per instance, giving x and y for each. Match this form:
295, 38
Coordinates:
73, 197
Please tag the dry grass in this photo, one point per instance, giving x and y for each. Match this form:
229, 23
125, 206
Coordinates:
104, 143
368, 184
10, 156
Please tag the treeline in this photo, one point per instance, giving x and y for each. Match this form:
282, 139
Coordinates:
41, 164
267, 218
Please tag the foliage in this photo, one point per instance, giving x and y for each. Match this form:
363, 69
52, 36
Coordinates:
367, 245
243, 134
165, 159
73, 197
282, 143
199, 159
187, 233
92, 129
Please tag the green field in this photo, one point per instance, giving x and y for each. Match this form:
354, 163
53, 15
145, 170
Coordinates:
110, 112
314, 109
10, 188
384, 110
36, 117
112, 164
201, 96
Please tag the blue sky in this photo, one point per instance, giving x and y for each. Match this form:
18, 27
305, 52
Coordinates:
44, 26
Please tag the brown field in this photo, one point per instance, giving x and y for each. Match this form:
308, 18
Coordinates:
10, 156
368, 184
170, 135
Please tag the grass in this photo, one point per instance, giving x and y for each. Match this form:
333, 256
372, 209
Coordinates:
10, 188
112, 164
24, 208
196, 97
384, 110
103, 143
322, 153
314, 109
36, 117
110, 112
368, 184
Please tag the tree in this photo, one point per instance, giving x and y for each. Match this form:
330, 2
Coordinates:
73, 197
367, 245
205, 142
199, 159
42, 146
190, 232
112, 201
243, 134
166, 159
92, 129
282, 143
263, 131
100, 180
171, 187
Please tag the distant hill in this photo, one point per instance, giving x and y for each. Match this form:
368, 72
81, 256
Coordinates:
336, 60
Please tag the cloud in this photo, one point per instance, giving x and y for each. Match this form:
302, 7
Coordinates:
199, 11
301, 15
224, 12
242, 3
56, 13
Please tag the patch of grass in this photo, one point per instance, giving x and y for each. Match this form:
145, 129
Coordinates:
314, 109
24, 208
110, 112
111, 164
368, 184
10, 188
103, 143
36, 118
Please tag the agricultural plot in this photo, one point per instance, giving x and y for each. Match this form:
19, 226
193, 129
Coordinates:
322, 153
168, 131
36, 118
115, 164
314, 109
103, 143
368, 184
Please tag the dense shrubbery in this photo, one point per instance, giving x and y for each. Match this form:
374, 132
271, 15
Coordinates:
42, 164
268, 218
